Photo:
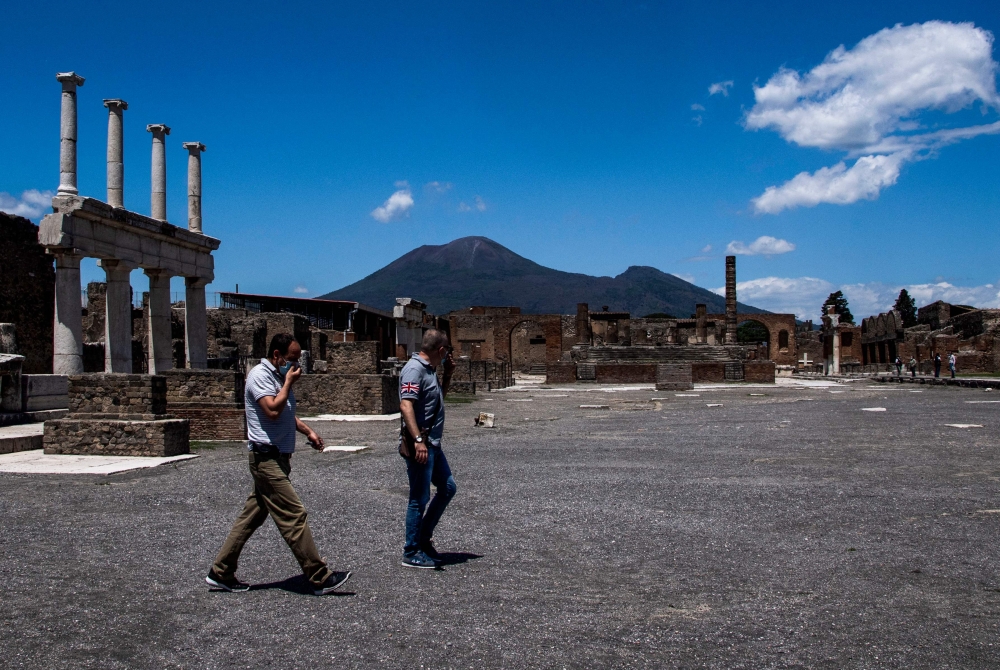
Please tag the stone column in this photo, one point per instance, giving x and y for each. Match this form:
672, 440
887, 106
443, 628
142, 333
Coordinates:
161, 356
582, 323
195, 323
118, 316
116, 166
836, 350
158, 200
194, 185
67, 133
730, 299
701, 323
67, 331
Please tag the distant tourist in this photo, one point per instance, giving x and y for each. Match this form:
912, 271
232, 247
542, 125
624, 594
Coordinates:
271, 427
899, 366
952, 363
913, 366
421, 404
937, 365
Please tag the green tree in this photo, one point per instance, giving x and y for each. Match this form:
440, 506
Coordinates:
838, 300
907, 307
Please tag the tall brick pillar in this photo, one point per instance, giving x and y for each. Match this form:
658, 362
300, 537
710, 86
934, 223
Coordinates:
582, 323
730, 299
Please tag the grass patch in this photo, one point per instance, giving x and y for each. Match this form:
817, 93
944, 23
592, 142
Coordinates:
206, 445
460, 398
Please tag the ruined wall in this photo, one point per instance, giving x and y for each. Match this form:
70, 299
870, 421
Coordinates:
352, 358
27, 291
758, 372
569, 332
118, 395
625, 373
708, 372
109, 437
560, 373
346, 394
212, 400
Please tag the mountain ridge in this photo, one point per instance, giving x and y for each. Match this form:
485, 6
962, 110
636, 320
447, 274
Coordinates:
476, 270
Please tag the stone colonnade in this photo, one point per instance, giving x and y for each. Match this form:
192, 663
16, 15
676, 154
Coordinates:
123, 241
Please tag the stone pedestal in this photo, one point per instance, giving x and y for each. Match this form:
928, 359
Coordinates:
117, 415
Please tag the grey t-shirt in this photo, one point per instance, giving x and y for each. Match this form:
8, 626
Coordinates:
418, 382
264, 380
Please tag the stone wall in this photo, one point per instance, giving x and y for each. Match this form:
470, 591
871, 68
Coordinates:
759, 372
212, 400
673, 377
346, 394
352, 358
624, 373
560, 373
708, 372
27, 291
109, 437
106, 395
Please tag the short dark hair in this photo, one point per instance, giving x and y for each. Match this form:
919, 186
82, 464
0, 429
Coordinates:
281, 342
433, 340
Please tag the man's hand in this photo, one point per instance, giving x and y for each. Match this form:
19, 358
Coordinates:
315, 440
420, 455
449, 365
293, 375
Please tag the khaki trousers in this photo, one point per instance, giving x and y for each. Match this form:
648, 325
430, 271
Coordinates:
273, 495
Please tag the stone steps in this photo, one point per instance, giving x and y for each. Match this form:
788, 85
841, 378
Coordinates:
21, 438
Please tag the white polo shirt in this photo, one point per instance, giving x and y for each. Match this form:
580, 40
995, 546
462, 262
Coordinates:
264, 380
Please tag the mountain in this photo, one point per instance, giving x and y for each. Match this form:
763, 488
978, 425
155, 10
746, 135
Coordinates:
478, 271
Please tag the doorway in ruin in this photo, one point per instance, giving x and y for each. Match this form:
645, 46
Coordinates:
755, 334
527, 345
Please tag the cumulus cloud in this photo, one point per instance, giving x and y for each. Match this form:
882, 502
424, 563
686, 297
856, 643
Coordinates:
803, 296
765, 245
686, 277
697, 120
31, 205
697, 108
720, 87
439, 186
480, 204
866, 101
463, 207
301, 289
705, 249
397, 206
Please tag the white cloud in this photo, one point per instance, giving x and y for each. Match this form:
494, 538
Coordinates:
439, 186
31, 205
397, 206
462, 207
765, 245
866, 101
720, 87
301, 289
803, 296
705, 249
480, 204
697, 108
686, 277
697, 120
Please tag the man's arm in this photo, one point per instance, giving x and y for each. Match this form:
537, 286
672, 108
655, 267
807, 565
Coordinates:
410, 421
274, 404
315, 440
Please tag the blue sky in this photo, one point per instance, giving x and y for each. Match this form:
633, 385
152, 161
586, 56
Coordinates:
586, 136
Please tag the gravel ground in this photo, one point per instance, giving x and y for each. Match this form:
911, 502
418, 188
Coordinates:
790, 529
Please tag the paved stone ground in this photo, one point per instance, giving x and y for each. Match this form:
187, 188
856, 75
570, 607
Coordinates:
784, 530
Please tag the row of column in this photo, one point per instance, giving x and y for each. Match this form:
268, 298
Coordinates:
68, 331
116, 165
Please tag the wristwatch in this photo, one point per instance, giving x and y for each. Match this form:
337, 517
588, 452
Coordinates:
419, 439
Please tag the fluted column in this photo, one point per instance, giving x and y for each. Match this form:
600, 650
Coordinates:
194, 185
116, 152
118, 316
730, 299
160, 342
195, 323
67, 133
67, 335
158, 198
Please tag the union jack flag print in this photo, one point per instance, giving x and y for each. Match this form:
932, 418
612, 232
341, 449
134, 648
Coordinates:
409, 388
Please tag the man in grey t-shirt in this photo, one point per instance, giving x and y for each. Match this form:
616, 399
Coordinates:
271, 427
421, 404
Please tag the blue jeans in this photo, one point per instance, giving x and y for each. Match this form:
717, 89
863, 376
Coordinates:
420, 526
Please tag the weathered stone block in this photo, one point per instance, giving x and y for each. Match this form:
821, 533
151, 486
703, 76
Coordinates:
347, 394
109, 437
560, 373
759, 372
673, 377
110, 394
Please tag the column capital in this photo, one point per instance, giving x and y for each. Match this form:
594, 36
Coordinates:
196, 282
157, 272
115, 103
194, 147
156, 128
69, 80
116, 264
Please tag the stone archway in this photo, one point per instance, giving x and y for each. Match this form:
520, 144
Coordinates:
752, 332
527, 345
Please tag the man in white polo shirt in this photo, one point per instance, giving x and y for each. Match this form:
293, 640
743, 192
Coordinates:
271, 427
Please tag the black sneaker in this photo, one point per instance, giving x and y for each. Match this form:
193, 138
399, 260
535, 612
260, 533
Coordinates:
332, 583
230, 584
419, 560
427, 547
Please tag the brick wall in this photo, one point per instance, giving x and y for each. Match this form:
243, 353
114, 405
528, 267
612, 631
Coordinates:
117, 395
347, 394
623, 373
212, 400
352, 358
27, 290
673, 377
708, 372
759, 372
560, 373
